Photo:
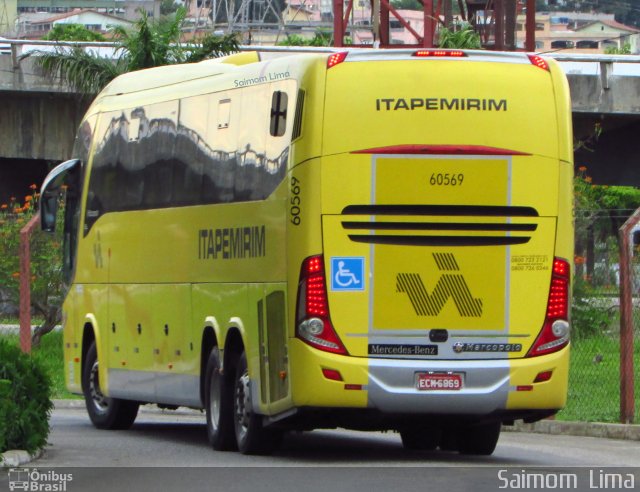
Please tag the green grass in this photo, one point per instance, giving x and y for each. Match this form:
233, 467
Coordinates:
594, 380
49, 354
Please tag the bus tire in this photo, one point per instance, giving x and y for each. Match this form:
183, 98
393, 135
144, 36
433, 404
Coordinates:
422, 439
479, 439
219, 405
251, 436
104, 412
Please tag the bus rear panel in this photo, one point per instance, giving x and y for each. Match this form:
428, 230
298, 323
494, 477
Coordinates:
445, 205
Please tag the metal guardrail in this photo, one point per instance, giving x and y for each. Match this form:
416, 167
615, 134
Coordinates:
562, 57
606, 62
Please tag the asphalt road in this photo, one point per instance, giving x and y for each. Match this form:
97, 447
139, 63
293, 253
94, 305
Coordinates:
168, 451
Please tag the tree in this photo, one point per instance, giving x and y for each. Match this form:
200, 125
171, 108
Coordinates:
168, 7
73, 32
600, 211
463, 38
148, 44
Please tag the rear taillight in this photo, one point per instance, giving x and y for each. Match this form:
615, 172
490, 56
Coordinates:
313, 324
539, 62
555, 331
336, 59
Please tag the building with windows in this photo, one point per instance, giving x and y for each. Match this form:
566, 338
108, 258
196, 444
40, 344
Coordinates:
577, 32
128, 9
35, 25
573, 32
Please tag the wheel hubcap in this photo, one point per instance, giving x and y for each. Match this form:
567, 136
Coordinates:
243, 405
100, 402
214, 399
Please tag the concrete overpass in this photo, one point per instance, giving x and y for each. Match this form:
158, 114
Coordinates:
39, 116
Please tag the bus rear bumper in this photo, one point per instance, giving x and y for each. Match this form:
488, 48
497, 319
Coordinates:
389, 385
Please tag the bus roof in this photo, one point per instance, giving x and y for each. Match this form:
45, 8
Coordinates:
153, 78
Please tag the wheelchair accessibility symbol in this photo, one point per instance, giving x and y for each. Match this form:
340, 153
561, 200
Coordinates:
347, 273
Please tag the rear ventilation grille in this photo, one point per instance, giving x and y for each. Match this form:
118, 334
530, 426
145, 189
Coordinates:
395, 232
443, 210
297, 121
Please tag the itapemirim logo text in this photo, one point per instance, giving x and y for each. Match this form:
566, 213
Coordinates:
31, 479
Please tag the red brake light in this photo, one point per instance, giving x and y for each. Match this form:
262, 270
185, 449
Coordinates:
316, 297
558, 305
560, 267
439, 53
555, 330
336, 58
539, 62
313, 324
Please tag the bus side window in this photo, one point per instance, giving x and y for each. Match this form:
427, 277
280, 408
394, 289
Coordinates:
279, 102
224, 113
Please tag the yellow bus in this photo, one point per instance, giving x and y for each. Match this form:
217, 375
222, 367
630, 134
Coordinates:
362, 239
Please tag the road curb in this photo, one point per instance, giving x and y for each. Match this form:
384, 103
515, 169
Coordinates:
15, 458
10, 329
628, 432
74, 404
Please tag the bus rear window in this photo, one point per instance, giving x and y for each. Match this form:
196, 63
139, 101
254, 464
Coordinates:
278, 125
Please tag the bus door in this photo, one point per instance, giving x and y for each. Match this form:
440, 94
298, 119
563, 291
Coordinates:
274, 362
172, 350
129, 339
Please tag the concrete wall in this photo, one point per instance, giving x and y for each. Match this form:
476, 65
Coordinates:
39, 117
589, 96
38, 126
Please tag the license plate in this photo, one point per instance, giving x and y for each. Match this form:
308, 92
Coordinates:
438, 381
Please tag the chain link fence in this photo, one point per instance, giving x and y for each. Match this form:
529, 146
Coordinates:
594, 377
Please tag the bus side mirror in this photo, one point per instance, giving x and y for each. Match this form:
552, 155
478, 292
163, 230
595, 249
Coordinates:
48, 210
51, 188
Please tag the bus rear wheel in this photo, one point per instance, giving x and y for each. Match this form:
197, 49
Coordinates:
104, 412
252, 437
479, 439
219, 405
